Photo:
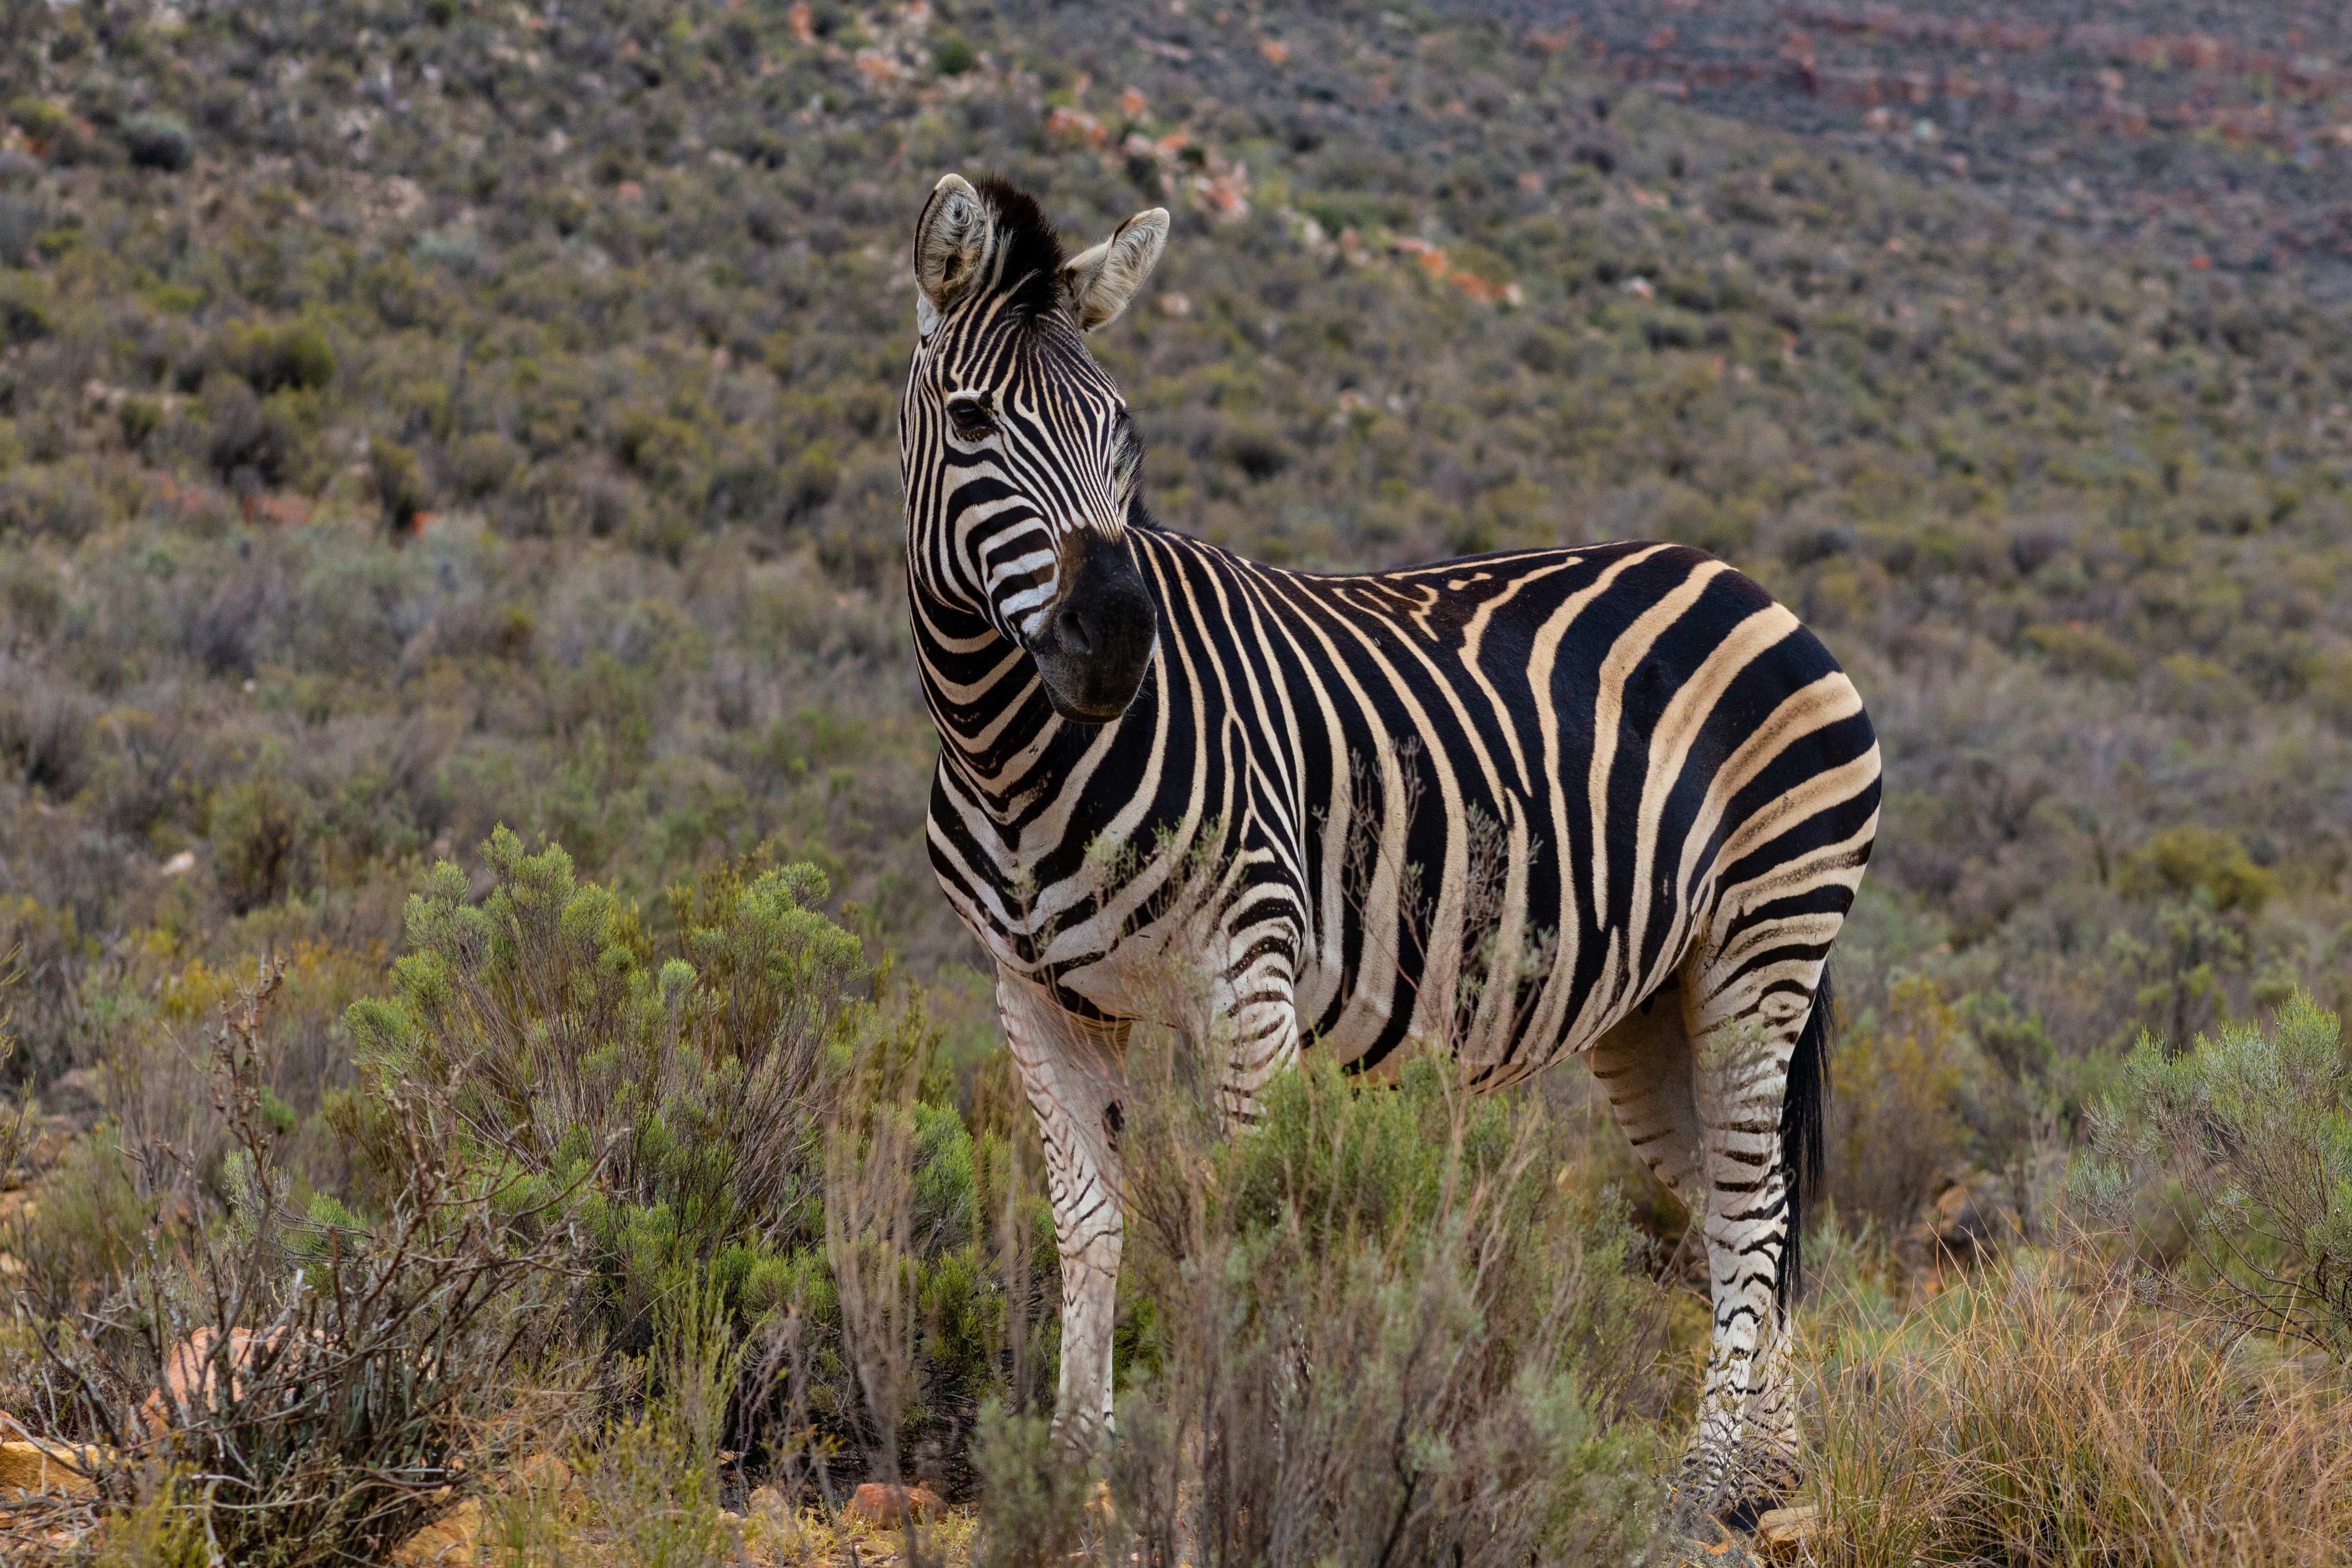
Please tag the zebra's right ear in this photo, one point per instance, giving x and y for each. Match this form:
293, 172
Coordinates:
951, 241
1099, 281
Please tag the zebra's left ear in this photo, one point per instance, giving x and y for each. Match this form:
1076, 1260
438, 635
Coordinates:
1101, 280
952, 239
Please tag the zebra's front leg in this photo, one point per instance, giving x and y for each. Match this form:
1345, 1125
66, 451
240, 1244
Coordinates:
1073, 1071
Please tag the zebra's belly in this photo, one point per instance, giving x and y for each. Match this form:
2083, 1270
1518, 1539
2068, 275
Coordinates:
1497, 1051
1533, 974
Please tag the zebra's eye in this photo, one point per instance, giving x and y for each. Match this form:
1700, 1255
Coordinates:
970, 417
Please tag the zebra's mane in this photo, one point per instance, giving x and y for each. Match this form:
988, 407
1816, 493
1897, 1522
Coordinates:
1030, 252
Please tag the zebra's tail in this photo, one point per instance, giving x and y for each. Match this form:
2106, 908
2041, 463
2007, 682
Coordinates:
1804, 1113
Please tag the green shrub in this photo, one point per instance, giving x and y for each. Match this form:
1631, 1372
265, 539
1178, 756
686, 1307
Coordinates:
160, 142
2185, 858
331, 1380
81, 1242
37, 116
654, 1483
399, 484
276, 356
257, 835
953, 55
1036, 1497
713, 1113
1896, 1121
681, 1096
484, 463
24, 310
140, 418
2255, 1127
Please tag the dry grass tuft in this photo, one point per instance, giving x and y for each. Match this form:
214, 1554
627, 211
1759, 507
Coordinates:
2045, 1414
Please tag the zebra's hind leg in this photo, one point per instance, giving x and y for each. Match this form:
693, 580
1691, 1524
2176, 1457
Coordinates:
1747, 1025
1645, 1067
1073, 1070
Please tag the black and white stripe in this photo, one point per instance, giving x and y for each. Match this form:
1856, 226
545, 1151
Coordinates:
1613, 801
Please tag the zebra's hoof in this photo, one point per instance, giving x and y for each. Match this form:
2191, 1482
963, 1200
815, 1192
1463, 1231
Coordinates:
1696, 1538
1738, 1494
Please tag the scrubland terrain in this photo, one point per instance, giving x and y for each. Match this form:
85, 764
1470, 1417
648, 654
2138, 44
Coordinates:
421, 420
2215, 128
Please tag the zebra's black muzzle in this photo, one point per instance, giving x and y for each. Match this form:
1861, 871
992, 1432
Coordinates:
1097, 643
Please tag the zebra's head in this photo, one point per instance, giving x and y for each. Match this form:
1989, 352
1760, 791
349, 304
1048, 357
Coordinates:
1019, 459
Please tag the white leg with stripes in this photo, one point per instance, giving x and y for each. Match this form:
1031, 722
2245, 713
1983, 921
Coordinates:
1073, 1074
1746, 1446
1706, 1120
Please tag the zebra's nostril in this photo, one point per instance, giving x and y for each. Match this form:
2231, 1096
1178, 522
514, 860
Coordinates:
1073, 630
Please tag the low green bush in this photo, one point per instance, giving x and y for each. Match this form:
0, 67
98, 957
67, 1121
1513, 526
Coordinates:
681, 1095
2246, 1140
331, 1379
160, 142
716, 1112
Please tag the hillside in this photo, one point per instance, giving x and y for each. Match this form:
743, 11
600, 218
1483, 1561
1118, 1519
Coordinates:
2219, 130
420, 417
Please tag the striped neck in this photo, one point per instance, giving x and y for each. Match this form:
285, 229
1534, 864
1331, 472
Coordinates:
983, 692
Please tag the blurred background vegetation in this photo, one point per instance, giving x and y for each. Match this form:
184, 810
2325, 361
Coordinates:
421, 417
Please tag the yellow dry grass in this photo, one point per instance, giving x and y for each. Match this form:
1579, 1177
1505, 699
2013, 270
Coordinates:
813, 1538
543, 1528
2044, 1414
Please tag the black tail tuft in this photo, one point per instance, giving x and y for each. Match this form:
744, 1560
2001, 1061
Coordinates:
1804, 1112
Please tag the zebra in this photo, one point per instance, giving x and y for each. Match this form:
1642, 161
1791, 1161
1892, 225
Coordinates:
1676, 787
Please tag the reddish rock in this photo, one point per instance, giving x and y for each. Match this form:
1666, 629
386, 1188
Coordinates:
41, 1467
191, 1373
1076, 125
880, 1505
453, 1541
1783, 1531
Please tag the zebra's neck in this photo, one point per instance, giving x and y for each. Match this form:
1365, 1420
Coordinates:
997, 731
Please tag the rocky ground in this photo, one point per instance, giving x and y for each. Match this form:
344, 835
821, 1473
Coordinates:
2222, 130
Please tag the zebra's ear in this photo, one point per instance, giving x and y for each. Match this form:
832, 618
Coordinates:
951, 241
1101, 280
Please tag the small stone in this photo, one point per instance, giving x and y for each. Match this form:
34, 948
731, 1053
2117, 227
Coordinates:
880, 1505
189, 1373
541, 1473
453, 1541
36, 1466
1784, 1531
